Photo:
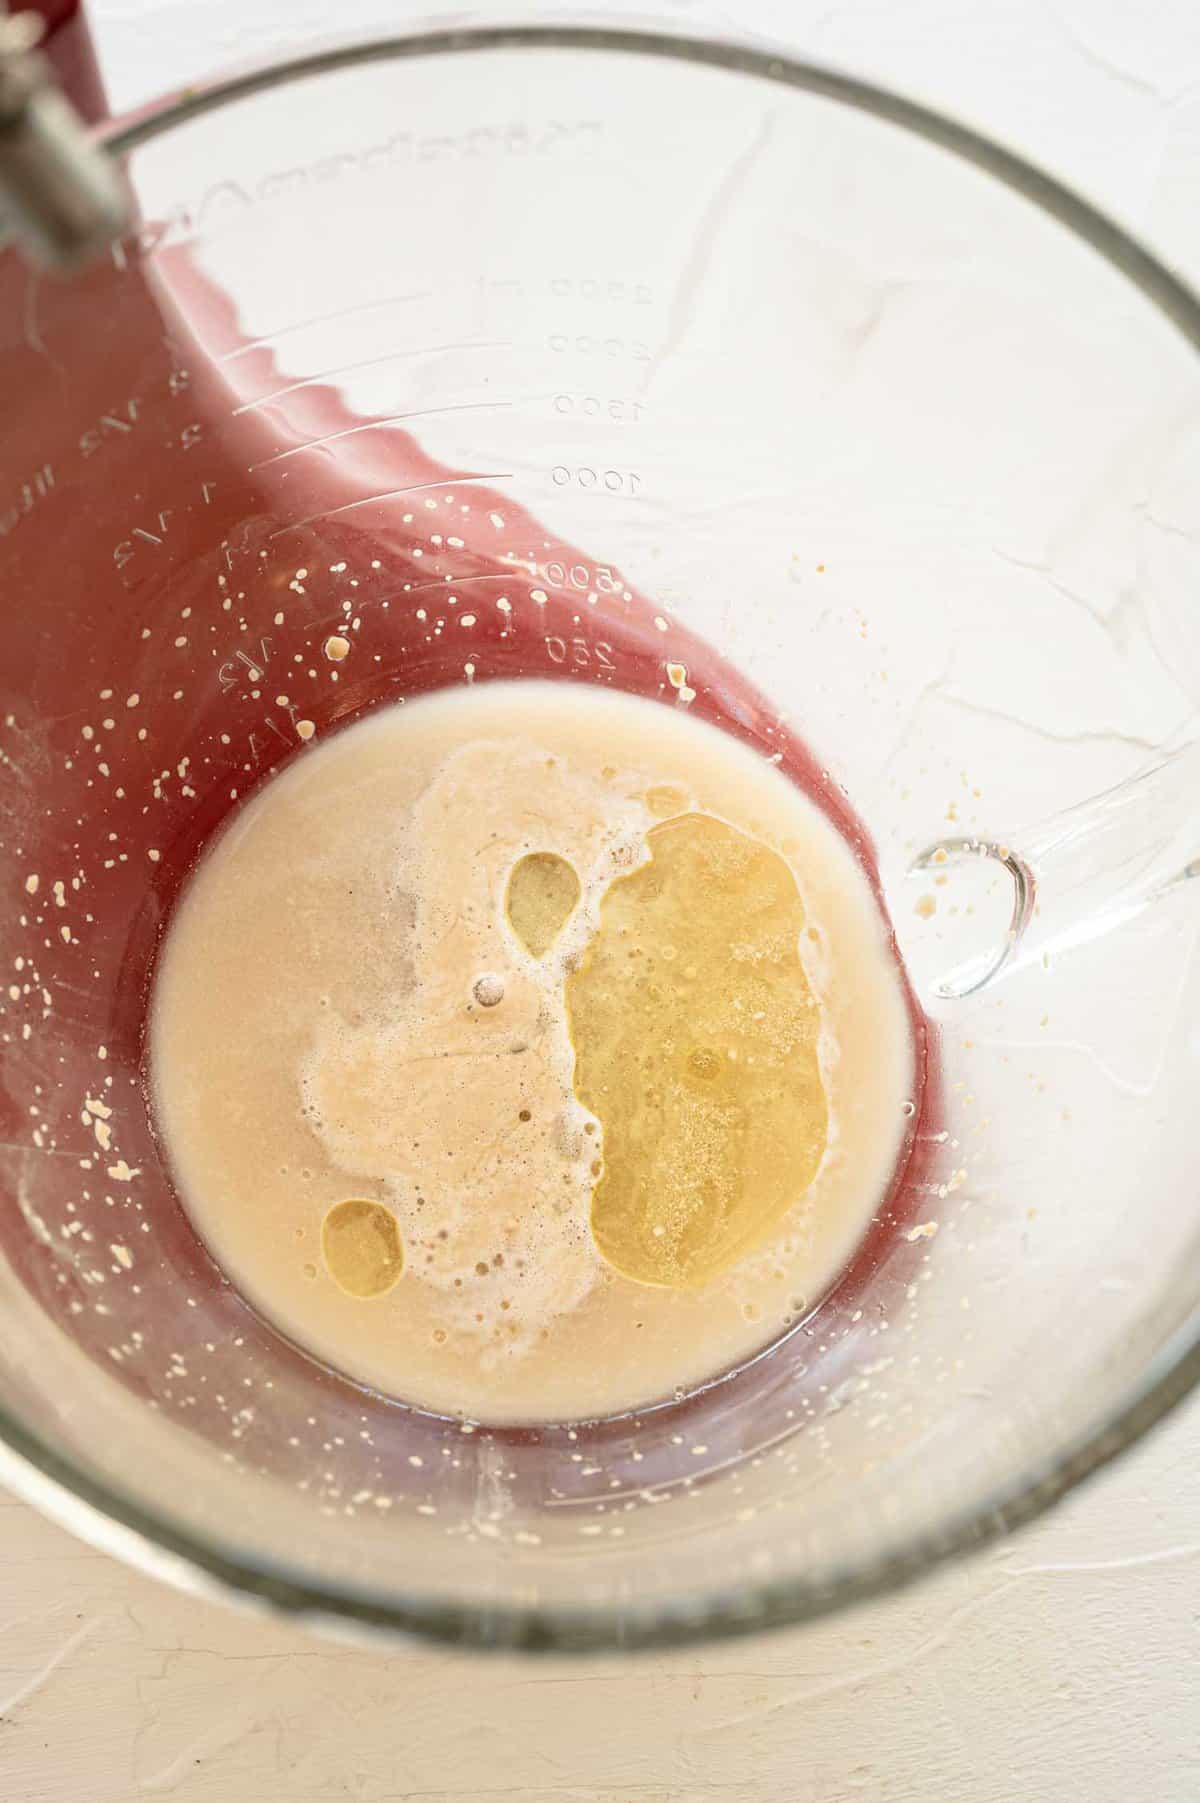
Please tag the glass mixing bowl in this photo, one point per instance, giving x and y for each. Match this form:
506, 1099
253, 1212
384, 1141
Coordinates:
700, 357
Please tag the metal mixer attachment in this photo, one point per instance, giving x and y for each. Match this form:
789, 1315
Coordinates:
62, 199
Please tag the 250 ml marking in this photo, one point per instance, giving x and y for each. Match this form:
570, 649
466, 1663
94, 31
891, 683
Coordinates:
584, 654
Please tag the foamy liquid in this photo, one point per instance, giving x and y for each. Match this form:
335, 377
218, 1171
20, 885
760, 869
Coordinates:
344, 1012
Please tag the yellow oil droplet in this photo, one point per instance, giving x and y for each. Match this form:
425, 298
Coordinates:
665, 799
543, 890
360, 1243
714, 1116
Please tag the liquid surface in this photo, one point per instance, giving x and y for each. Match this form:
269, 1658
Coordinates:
395, 1040
542, 894
695, 1034
360, 1243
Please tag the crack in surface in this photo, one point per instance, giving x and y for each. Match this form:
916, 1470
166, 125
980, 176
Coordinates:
1106, 737
1166, 1555
714, 216
41, 1677
1034, 568
902, 1661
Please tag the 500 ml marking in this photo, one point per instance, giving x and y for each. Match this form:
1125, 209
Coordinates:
599, 581
587, 579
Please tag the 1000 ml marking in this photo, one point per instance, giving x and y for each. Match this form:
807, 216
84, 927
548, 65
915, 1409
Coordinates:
614, 482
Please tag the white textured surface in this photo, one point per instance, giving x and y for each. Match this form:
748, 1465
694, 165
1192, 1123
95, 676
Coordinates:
1061, 1666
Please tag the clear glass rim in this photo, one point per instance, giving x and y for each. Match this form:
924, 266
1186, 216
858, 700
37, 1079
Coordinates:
117, 1523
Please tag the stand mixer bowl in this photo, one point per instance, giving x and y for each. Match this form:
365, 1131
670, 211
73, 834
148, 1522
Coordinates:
725, 375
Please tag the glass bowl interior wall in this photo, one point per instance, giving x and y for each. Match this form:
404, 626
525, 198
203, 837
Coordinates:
913, 459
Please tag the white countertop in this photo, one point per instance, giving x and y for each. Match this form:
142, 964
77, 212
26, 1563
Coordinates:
1060, 1666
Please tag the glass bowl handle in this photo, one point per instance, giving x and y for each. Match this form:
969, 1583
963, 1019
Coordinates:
1010, 903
